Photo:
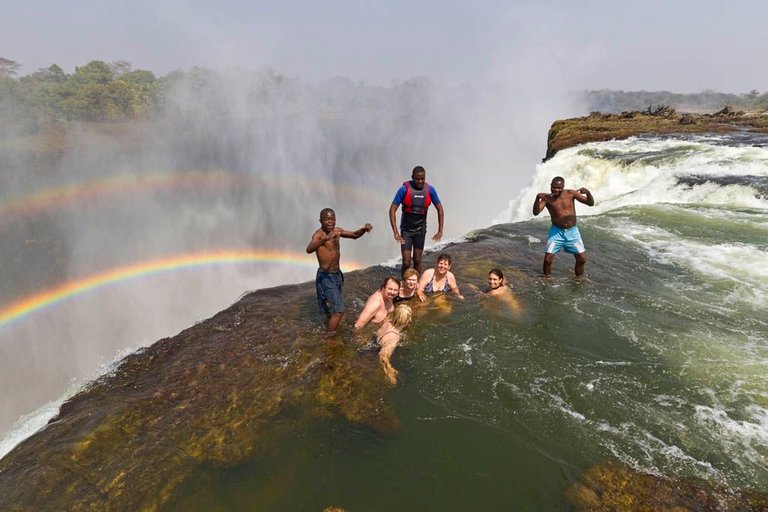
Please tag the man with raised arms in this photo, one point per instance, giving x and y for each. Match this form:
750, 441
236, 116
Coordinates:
563, 234
380, 304
415, 195
329, 280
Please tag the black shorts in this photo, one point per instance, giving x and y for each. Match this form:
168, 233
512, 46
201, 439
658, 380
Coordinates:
413, 240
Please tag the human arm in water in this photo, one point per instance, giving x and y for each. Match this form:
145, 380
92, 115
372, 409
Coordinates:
372, 306
452, 284
425, 278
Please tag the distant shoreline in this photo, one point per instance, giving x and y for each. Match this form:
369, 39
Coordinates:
598, 126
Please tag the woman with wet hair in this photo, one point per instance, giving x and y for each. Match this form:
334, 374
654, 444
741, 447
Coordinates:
438, 279
498, 288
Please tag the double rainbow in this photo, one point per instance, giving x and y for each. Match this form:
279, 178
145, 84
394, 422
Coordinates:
55, 198
57, 294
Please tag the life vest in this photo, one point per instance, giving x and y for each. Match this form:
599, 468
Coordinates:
416, 201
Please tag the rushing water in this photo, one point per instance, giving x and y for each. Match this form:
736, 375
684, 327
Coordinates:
659, 360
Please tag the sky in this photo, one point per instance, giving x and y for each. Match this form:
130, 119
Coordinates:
680, 46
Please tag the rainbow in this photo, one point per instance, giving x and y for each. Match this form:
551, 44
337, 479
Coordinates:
55, 198
67, 290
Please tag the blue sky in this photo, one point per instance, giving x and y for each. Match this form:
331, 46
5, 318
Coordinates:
684, 46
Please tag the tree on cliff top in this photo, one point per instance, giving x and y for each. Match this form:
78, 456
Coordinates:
8, 67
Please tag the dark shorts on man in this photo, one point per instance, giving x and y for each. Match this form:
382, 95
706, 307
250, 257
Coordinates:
329, 297
413, 240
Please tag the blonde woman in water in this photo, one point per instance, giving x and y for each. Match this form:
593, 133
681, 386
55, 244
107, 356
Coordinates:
388, 337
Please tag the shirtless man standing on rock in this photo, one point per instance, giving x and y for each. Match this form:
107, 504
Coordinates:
563, 234
329, 279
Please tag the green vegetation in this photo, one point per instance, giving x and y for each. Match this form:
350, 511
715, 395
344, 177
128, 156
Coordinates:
115, 92
98, 92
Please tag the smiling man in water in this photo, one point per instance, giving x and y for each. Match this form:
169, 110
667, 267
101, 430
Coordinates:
563, 234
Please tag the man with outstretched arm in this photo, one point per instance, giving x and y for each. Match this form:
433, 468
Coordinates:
329, 280
415, 195
563, 234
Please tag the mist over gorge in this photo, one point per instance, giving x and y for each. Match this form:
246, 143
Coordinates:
236, 160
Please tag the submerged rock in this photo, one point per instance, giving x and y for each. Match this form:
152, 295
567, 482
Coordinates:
611, 487
210, 396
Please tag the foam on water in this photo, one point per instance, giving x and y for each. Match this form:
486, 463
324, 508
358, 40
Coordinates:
31, 423
639, 171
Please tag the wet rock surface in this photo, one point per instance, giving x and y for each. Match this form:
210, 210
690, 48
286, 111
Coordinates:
215, 395
610, 487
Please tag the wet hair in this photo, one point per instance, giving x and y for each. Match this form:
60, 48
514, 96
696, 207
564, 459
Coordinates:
416, 169
388, 279
326, 211
410, 272
558, 178
497, 273
444, 256
401, 316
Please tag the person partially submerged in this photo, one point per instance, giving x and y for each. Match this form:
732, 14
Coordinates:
388, 337
329, 279
379, 304
499, 289
409, 286
438, 279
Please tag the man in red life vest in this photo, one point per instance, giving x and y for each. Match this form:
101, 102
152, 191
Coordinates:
415, 195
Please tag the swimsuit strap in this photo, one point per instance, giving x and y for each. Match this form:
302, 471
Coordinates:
429, 287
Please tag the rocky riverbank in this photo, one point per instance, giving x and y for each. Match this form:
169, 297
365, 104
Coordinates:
661, 120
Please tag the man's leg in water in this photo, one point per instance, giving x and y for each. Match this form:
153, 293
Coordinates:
548, 259
406, 260
405, 250
581, 259
417, 259
333, 322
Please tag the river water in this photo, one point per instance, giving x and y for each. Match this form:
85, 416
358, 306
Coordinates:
658, 360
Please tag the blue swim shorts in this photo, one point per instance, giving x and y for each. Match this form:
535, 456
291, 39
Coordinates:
329, 297
568, 239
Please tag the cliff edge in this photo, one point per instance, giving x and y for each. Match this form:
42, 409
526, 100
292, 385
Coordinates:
661, 120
